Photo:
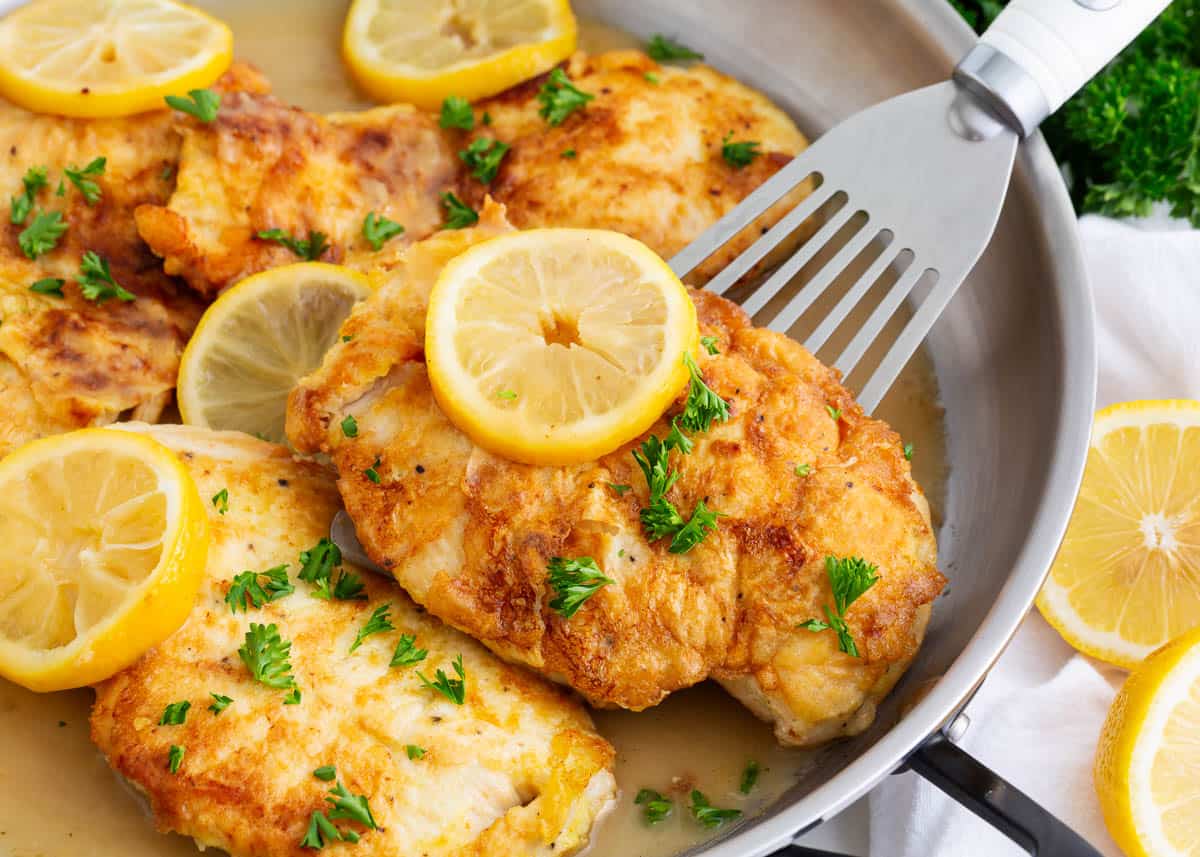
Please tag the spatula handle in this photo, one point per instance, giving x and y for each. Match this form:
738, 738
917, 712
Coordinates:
1038, 53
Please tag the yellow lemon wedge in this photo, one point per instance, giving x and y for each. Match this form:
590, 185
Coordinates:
258, 339
556, 346
105, 543
423, 52
108, 57
1127, 578
1147, 772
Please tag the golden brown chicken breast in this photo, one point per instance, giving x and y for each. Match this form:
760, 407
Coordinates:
470, 535
515, 769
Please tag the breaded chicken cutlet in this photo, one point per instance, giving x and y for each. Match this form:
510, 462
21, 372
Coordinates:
516, 769
470, 535
68, 362
647, 161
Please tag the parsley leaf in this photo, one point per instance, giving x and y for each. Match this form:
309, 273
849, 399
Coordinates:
350, 426
292, 698
81, 178
569, 154
350, 807
42, 234
655, 807
483, 157
653, 78
739, 155
377, 229
201, 103
175, 714
710, 344
347, 587
662, 49
703, 405
506, 394
219, 703
309, 248
803, 469
320, 832
908, 451
317, 563
266, 655
379, 622
560, 98
708, 815
96, 280
174, 758
34, 180
849, 578
326, 773
835, 414
703, 521
620, 490
457, 113
459, 215
749, 777
575, 581
661, 518
256, 588
454, 689
220, 501
49, 286
407, 653
652, 456
413, 751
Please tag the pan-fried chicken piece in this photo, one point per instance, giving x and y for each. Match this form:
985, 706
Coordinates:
262, 165
469, 534
644, 157
66, 363
515, 770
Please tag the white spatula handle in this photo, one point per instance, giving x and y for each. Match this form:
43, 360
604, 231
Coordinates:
1058, 45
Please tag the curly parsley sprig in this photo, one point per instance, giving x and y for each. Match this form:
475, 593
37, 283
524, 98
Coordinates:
849, 578
574, 581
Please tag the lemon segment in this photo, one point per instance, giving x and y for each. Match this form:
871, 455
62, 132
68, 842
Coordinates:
258, 339
557, 346
1147, 772
96, 58
105, 543
1127, 578
422, 52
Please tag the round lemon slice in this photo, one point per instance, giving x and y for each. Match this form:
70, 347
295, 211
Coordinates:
423, 52
258, 339
1127, 578
1147, 771
108, 57
556, 346
105, 539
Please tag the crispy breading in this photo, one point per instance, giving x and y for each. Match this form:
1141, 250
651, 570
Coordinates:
68, 362
263, 165
516, 770
646, 155
469, 534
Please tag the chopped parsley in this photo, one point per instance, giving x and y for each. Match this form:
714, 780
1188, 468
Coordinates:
220, 501
175, 714
309, 248
82, 179
560, 98
413, 751
350, 426
326, 773
372, 472
42, 234
483, 157
61, 190
32, 182
201, 103
266, 654
708, 815
908, 451
651, 77
256, 588
454, 689
835, 414
487, 118
710, 344
219, 703
320, 832
292, 698
49, 286
849, 578
317, 563
620, 489
350, 807
506, 394
575, 581
569, 154
347, 587
803, 469
654, 806
749, 777
378, 622
662, 49
703, 405
378, 230
459, 215
702, 522
739, 155
96, 280
174, 758
457, 113
407, 653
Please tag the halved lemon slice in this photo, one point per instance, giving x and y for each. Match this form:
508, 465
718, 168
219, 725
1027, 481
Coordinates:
108, 57
258, 339
423, 52
1148, 763
105, 539
1127, 578
556, 346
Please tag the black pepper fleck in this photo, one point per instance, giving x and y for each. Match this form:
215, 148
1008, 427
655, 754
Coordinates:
420, 468
283, 483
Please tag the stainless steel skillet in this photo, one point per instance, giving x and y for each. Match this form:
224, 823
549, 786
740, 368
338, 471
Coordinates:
1016, 366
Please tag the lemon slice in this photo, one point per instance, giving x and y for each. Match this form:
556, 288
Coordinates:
258, 339
1127, 578
105, 540
423, 52
1148, 763
556, 346
108, 57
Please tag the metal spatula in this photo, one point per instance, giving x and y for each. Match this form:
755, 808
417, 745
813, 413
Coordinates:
928, 170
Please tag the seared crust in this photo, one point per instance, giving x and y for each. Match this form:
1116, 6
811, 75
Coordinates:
469, 534
516, 770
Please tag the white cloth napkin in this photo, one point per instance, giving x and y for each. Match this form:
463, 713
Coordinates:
1036, 719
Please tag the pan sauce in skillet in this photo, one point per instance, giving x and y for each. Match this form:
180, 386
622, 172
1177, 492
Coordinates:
60, 798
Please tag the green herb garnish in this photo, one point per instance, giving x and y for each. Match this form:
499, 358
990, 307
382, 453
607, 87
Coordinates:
703, 405
174, 758
803, 469
266, 654
483, 157
749, 777
200, 103
908, 451
350, 807
454, 689
654, 806
457, 113
292, 698
219, 703
175, 714
96, 280
849, 578
575, 581
378, 230
372, 472
710, 344
320, 832
413, 751
739, 155
379, 621
32, 182
708, 815
82, 179
407, 653
42, 234
49, 286
309, 248
560, 98
220, 501
459, 215
350, 426
326, 773
662, 49
256, 588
